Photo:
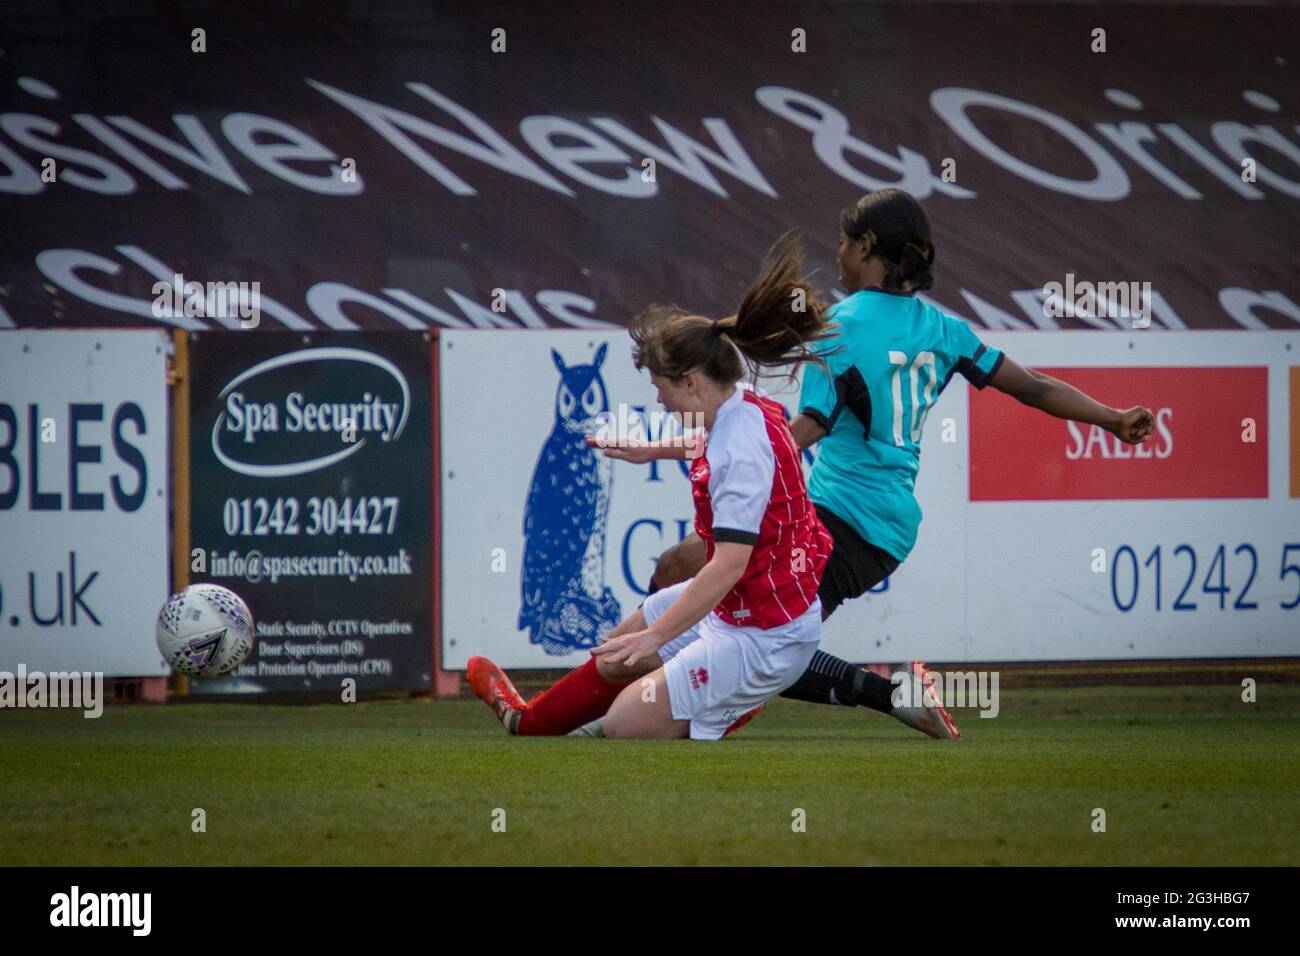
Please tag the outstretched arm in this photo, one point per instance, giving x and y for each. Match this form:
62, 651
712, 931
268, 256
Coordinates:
641, 452
1038, 390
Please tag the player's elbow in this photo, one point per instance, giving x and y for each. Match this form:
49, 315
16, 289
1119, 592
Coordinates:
1032, 388
1044, 388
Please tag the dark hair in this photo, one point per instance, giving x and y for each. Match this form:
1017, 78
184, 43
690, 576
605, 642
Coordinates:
899, 231
779, 318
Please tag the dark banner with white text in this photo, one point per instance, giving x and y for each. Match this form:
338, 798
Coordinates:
513, 165
311, 497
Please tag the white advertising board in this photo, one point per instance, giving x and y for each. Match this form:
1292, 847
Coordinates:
83, 500
1051, 550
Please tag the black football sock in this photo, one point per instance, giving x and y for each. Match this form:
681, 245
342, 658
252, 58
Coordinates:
830, 680
872, 690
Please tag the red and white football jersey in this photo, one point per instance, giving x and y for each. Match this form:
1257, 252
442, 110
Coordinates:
748, 488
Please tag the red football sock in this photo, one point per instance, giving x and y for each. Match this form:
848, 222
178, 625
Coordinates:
577, 698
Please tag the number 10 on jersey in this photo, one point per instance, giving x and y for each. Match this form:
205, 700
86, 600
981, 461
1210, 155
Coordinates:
921, 407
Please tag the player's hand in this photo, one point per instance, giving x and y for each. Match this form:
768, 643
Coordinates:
637, 452
1134, 425
628, 649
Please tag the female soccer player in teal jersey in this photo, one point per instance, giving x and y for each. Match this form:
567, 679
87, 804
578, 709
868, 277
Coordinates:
866, 408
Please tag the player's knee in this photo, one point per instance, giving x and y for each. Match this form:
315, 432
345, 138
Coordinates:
665, 566
611, 670
618, 672
677, 563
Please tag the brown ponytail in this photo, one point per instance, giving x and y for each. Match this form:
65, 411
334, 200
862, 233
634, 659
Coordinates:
779, 319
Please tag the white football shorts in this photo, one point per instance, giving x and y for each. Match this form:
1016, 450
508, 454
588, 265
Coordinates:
717, 672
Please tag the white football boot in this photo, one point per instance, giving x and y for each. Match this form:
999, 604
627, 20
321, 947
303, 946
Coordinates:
925, 710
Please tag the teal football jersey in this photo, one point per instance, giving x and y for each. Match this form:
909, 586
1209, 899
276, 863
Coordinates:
896, 355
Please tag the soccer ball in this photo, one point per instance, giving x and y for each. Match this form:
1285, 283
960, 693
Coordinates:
205, 631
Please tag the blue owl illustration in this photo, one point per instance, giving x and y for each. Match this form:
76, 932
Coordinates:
565, 604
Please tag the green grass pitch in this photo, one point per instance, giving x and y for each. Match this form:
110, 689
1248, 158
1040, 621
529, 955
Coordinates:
1186, 776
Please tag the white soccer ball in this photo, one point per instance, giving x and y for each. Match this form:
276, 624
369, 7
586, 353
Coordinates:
205, 631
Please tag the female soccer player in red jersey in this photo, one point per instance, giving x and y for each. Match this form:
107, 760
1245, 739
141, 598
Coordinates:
867, 424
711, 649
